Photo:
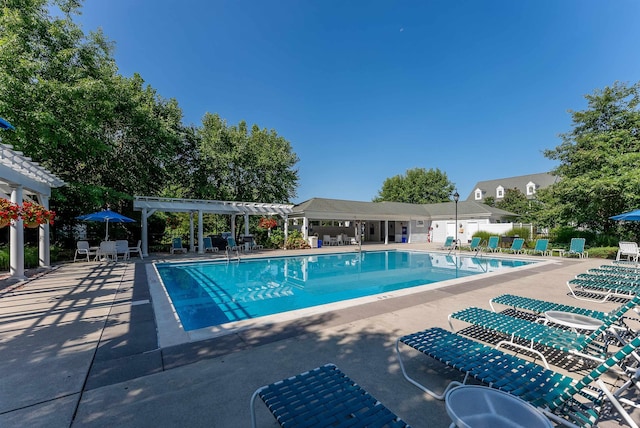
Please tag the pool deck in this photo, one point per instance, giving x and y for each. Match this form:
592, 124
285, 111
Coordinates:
79, 347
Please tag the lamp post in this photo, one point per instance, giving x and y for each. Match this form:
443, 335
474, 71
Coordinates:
456, 198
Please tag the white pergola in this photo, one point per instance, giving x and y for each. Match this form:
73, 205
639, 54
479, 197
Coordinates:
20, 178
149, 205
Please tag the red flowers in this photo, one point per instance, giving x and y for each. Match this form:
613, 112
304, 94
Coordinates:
267, 223
36, 214
29, 212
8, 211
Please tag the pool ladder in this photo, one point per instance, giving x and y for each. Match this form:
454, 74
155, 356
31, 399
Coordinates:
230, 257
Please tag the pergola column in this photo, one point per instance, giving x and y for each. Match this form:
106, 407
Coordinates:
386, 232
145, 233
305, 228
200, 232
192, 245
246, 224
16, 251
286, 229
233, 226
44, 258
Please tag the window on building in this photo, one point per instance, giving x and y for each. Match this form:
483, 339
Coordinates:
500, 192
531, 189
478, 194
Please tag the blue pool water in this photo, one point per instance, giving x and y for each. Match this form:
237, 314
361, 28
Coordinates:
212, 293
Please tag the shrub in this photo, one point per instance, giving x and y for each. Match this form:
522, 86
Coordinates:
296, 241
484, 236
564, 234
276, 240
521, 232
603, 252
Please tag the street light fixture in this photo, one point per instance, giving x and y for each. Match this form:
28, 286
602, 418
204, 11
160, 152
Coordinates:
456, 198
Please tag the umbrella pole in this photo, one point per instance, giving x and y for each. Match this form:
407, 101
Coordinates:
106, 236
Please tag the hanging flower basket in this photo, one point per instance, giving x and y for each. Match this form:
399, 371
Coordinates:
34, 215
267, 223
8, 211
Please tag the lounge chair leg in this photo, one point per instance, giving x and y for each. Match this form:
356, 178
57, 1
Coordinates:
434, 394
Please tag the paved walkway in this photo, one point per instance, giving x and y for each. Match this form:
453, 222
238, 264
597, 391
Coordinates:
79, 348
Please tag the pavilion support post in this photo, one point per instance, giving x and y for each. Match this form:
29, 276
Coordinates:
192, 245
16, 251
286, 230
305, 228
246, 224
200, 233
44, 258
145, 233
233, 226
386, 232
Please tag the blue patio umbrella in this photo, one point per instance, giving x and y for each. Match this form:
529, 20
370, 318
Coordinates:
5, 125
106, 216
630, 216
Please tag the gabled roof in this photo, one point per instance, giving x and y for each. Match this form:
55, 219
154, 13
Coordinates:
338, 209
489, 187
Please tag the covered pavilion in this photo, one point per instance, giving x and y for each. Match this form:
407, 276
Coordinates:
150, 204
21, 178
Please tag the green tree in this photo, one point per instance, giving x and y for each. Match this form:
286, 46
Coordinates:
514, 201
236, 164
599, 160
107, 136
417, 186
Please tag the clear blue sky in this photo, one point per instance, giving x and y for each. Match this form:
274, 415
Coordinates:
365, 90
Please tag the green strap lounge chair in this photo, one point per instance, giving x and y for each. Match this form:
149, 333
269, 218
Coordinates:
577, 248
448, 243
176, 246
207, 245
561, 398
323, 397
492, 244
474, 245
541, 247
575, 343
541, 306
516, 246
602, 287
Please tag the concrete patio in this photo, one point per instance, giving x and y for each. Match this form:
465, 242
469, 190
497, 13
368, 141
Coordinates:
79, 348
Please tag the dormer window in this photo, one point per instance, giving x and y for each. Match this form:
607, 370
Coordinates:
478, 194
500, 192
531, 189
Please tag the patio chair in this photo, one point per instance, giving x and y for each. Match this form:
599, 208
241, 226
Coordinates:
560, 397
571, 342
232, 245
207, 245
474, 245
492, 244
448, 243
122, 248
176, 246
84, 250
137, 249
516, 246
629, 250
326, 240
107, 251
541, 247
321, 397
577, 248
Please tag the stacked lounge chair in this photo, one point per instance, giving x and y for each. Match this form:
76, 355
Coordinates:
559, 397
592, 346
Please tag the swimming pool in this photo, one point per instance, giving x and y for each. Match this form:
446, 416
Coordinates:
206, 294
